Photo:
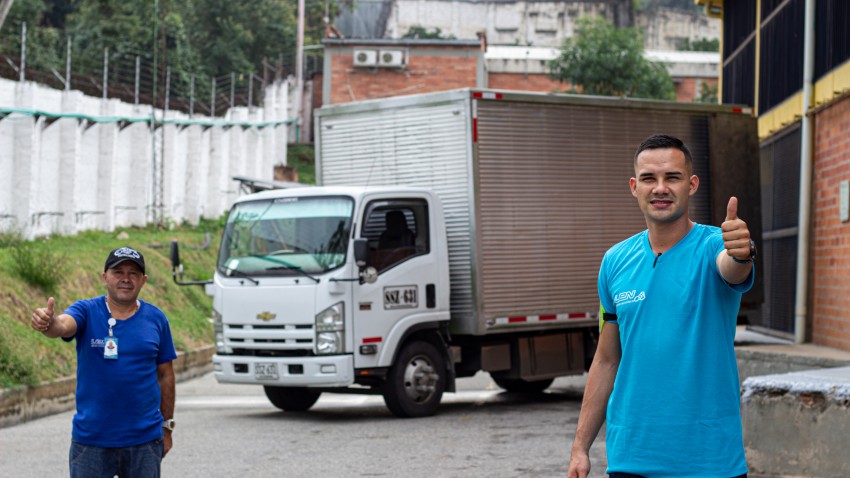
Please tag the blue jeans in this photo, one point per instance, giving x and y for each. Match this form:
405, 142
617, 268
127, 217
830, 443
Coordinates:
140, 461
630, 475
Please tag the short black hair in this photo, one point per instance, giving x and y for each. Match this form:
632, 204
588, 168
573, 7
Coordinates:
664, 141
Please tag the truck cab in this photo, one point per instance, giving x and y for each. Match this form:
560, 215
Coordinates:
324, 289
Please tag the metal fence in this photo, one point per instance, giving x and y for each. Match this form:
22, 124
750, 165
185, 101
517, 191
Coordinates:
141, 78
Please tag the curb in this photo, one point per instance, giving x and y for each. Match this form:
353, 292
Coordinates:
22, 404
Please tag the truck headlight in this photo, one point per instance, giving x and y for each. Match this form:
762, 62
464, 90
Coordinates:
218, 328
330, 329
329, 342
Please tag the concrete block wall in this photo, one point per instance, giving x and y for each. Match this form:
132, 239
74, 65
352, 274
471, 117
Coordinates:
796, 423
88, 170
506, 23
830, 262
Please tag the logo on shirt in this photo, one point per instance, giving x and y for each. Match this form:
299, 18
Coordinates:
97, 343
629, 297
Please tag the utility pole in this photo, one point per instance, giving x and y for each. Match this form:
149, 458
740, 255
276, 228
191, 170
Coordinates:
299, 70
5, 6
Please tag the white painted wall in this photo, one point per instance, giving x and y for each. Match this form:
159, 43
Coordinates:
539, 23
70, 174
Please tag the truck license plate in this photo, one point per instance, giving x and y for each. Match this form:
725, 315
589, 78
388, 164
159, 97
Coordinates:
265, 371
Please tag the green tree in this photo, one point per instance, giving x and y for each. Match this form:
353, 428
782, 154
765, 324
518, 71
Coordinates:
418, 31
707, 93
238, 36
45, 42
205, 38
604, 60
700, 44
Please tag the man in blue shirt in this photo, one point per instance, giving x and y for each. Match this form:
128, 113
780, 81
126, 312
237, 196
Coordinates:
125, 378
664, 375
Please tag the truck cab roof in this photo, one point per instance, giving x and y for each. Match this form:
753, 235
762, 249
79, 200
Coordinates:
355, 192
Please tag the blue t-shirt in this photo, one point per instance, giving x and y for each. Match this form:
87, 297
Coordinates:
675, 407
118, 400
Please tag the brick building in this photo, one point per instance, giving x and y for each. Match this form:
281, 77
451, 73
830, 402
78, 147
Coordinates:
804, 130
367, 69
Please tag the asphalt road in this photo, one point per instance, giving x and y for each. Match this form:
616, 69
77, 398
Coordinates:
232, 430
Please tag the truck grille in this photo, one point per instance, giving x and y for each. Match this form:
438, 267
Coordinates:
271, 340
272, 353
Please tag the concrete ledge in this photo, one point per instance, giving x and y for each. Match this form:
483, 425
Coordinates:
22, 404
796, 423
757, 360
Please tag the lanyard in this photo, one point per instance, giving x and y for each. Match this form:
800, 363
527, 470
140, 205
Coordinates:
111, 322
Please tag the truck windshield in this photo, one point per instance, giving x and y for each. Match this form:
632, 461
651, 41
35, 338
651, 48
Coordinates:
286, 236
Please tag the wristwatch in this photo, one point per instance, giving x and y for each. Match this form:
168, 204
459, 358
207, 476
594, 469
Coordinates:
168, 424
752, 257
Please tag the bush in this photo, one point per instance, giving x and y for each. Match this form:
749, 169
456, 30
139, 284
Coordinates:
37, 266
15, 369
10, 238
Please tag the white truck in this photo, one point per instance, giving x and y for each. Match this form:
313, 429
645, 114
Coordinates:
452, 232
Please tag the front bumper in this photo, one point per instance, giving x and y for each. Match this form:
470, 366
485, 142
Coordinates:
323, 371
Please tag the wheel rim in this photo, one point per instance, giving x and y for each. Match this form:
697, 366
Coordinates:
420, 379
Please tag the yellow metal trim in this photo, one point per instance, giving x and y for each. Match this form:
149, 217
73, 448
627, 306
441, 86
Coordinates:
787, 112
720, 63
832, 84
756, 105
713, 8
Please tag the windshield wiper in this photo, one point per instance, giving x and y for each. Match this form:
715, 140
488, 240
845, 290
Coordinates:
239, 273
285, 266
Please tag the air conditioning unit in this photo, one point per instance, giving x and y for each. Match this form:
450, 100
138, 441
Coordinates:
365, 57
391, 58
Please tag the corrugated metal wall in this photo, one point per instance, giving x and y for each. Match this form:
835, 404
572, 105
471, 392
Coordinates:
780, 169
554, 196
420, 145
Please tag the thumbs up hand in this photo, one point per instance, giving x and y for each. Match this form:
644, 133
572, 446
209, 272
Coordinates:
42, 318
736, 235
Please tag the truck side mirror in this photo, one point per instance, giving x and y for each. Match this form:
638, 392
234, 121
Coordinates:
175, 255
361, 252
177, 267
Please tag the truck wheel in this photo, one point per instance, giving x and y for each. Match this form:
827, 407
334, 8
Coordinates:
523, 386
291, 399
415, 384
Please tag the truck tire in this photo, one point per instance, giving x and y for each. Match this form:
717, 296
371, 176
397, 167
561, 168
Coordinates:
291, 399
416, 382
523, 386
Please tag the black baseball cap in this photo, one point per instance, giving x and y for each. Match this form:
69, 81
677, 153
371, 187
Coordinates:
124, 254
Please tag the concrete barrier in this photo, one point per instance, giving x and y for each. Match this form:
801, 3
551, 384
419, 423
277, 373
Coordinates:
797, 423
756, 360
22, 404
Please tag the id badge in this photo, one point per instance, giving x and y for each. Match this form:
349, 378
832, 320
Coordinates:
110, 348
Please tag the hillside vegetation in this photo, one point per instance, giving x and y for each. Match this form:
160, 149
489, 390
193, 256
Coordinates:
69, 267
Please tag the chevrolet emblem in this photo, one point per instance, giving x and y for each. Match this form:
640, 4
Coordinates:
266, 316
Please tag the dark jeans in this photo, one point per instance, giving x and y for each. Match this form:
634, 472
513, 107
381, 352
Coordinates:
140, 461
630, 475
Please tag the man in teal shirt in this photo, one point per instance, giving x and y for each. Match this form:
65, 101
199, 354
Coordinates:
665, 366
